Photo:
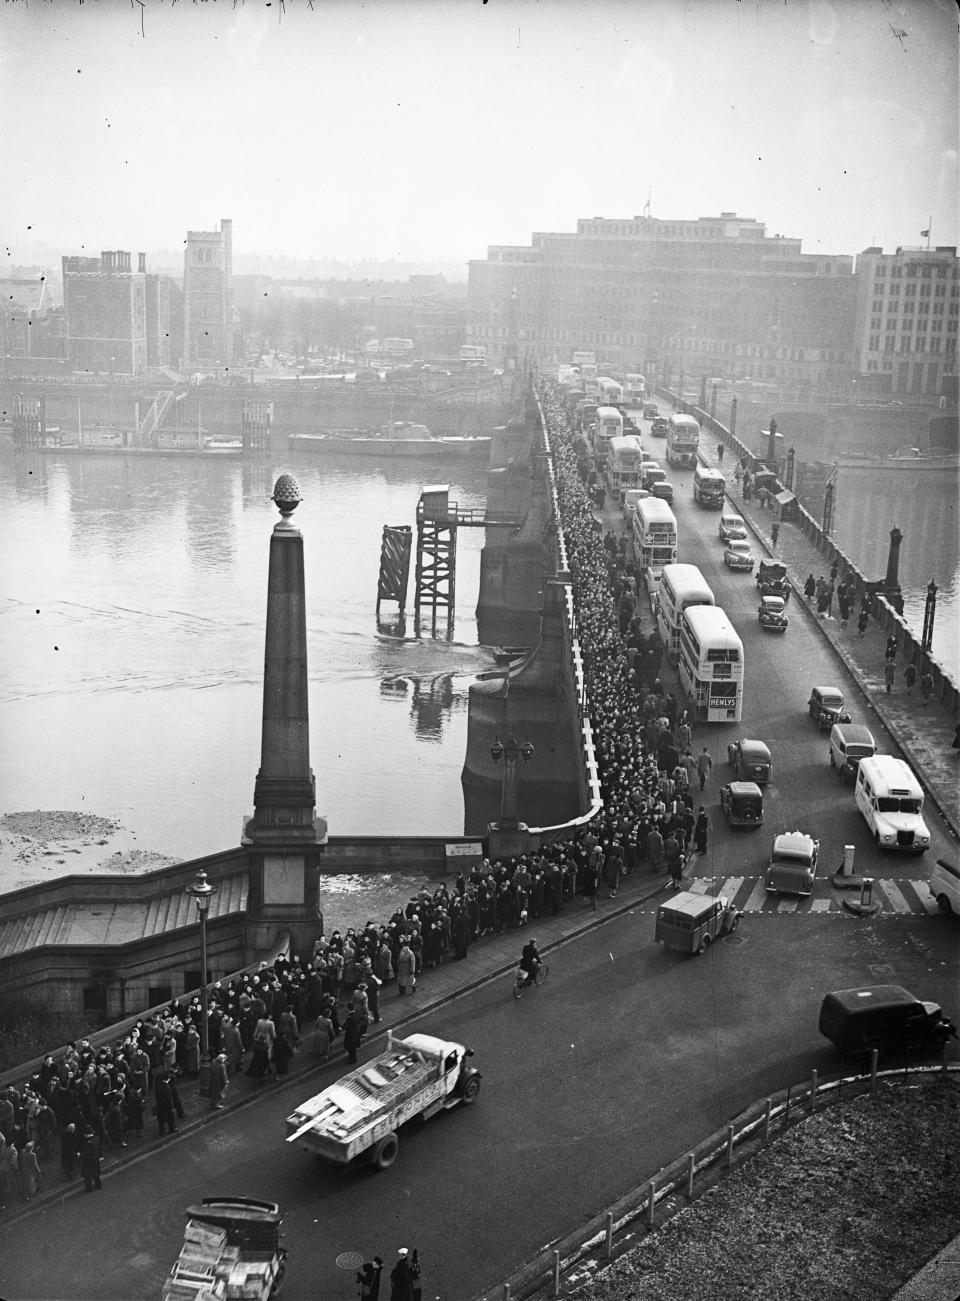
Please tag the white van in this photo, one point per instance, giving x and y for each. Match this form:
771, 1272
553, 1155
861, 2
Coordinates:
945, 886
891, 801
630, 499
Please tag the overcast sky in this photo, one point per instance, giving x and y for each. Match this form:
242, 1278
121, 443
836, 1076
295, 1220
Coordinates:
428, 130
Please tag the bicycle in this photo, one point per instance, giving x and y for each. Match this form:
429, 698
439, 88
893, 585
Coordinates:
521, 984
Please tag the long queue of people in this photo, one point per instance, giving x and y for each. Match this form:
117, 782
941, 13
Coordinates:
89, 1099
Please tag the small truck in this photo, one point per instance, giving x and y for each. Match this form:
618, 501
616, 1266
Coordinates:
231, 1249
362, 1112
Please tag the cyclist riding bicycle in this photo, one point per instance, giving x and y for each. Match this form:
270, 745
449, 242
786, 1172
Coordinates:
530, 961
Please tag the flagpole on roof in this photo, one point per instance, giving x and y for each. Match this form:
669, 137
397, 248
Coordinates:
929, 230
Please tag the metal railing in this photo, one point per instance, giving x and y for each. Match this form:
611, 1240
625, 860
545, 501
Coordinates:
623, 1224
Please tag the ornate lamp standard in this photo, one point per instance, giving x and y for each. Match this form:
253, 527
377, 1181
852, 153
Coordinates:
509, 753
202, 892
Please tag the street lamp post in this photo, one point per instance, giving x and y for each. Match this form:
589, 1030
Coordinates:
202, 892
509, 753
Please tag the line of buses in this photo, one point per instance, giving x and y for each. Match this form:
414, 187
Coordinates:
698, 636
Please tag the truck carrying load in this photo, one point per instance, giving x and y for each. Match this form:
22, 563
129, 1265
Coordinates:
231, 1252
361, 1113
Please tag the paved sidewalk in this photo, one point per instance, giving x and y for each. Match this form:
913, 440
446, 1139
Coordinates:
924, 732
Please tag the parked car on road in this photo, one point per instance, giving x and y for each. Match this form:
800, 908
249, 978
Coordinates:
883, 1017
742, 804
772, 578
690, 922
849, 743
732, 526
771, 613
650, 410
945, 885
750, 760
737, 554
662, 488
793, 863
825, 707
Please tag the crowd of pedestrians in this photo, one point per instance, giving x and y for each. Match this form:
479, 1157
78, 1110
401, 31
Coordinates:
86, 1100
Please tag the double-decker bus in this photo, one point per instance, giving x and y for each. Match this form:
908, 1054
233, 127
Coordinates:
608, 424
634, 390
624, 458
710, 665
611, 392
683, 439
680, 586
654, 538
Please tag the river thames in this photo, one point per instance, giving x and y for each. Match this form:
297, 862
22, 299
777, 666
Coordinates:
133, 596
132, 605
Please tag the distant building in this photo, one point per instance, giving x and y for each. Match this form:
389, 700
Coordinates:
29, 326
105, 321
208, 323
906, 324
715, 296
158, 321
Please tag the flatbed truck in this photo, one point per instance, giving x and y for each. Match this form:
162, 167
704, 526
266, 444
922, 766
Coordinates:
360, 1115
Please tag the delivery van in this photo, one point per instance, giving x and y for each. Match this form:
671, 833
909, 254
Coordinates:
690, 922
885, 1017
849, 743
891, 801
945, 886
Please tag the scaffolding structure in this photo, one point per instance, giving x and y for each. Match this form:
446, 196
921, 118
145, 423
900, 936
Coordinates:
256, 421
438, 519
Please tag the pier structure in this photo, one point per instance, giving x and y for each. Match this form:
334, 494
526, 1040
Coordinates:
29, 421
438, 519
394, 565
255, 424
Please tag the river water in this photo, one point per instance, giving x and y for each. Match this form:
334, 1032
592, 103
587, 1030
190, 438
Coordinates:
132, 601
924, 508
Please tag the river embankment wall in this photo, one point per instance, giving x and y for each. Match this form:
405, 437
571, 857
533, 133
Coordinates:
540, 697
304, 407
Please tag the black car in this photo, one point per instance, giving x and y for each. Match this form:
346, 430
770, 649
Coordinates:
883, 1017
772, 578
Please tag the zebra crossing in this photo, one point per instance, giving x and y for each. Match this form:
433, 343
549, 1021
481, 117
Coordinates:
749, 894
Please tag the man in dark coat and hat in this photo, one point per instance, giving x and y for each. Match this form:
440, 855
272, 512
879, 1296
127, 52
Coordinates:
369, 1279
90, 1160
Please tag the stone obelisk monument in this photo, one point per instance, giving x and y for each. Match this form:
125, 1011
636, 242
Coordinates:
284, 836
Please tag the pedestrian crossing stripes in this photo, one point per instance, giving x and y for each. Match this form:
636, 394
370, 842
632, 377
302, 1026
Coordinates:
749, 894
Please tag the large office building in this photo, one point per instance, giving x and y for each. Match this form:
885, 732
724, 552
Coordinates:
715, 296
208, 322
906, 329
105, 321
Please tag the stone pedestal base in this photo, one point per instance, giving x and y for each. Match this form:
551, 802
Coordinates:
509, 841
